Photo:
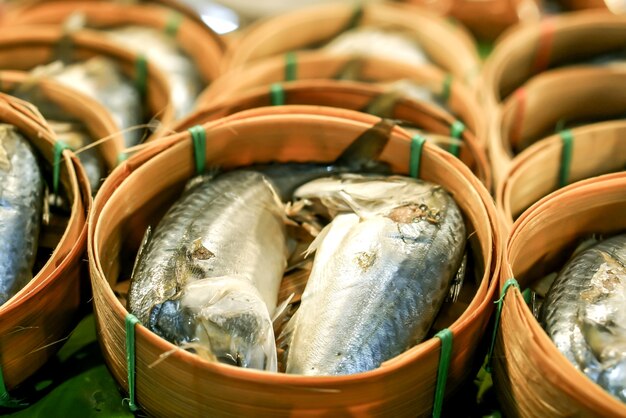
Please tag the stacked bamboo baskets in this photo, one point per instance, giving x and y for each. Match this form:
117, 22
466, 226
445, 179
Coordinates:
29, 46
526, 51
355, 96
531, 376
76, 106
403, 386
447, 46
202, 45
35, 322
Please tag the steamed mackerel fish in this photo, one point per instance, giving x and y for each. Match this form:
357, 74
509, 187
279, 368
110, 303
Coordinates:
381, 272
208, 277
584, 313
21, 199
161, 49
101, 79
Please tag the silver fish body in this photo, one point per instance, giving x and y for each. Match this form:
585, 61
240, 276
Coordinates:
21, 200
381, 271
183, 77
370, 41
101, 79
584, 313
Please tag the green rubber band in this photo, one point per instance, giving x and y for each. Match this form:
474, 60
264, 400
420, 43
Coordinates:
456, 132
445, 335
173, 24
131, 321
277, 94
121, 157
415, 159
446, 88
566, 156
59, 147
141, 74
500, 302
291, 66
198, 136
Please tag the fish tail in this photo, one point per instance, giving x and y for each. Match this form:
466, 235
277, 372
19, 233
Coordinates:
366, 148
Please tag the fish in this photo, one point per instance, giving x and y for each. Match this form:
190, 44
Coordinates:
102, 79
21, 203
209, 274
76, 136
584, 313
68, 130
161, 49
370, 41
381, 272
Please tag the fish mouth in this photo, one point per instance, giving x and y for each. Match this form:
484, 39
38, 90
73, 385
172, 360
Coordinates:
220, 320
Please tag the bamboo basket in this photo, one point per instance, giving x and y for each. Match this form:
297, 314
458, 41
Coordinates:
486, 19
537, 108
354, 96
90, 113
532, 377
183, 384
539, 170
447, 46
28, 46
526, 50
36, 321
319, 65
18, 6
204, 46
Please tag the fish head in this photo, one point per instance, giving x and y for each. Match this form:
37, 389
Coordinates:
223, 319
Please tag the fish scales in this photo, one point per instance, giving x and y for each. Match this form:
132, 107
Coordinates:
239, 238
378, 280
21, 200
584, 313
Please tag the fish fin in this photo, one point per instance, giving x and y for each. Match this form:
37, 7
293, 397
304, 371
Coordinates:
351, 70
5, 161
147, 236
201, 178
384, 104
367, 147
45, 211
283, 342
317, 241
281, 311
457, 282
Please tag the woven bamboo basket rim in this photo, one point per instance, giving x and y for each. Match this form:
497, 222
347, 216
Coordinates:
548, 98
38, 316
191, 36
316, 65
525, 50
596, 149
354, 96
446, 45
32, 126
110, 310
91, 113
41, 40
589, 206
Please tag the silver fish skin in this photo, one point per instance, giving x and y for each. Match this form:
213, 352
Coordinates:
101, 79
183, 77
21, 201
369, 41
584, 313
381, 272
231, 226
